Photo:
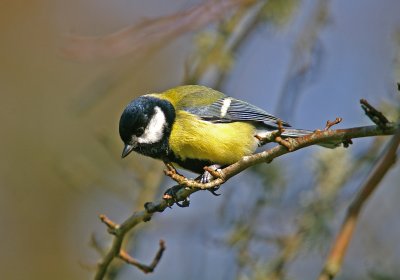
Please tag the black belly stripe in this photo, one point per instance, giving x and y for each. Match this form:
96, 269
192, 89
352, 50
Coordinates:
194, 165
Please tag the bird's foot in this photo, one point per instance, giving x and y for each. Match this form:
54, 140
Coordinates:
172, 194
210, 173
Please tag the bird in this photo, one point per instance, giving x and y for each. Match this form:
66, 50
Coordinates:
194, 126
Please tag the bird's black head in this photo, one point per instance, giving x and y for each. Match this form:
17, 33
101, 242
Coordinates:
145, 126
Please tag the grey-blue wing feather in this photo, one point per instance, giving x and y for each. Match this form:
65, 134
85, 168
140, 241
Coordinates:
229, 109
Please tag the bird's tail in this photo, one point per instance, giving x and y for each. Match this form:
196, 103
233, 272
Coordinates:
293, 132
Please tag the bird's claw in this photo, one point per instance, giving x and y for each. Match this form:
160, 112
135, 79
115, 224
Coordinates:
213, 191
206, 177
171, 194
210, 173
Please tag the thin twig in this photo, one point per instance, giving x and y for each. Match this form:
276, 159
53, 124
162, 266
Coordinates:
111, 226
376, 116
339, 248
329, 123
123, 255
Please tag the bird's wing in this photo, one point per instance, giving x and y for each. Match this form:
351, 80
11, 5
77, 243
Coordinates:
228, 109
183, 97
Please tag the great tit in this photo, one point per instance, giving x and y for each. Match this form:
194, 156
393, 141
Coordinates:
195, 126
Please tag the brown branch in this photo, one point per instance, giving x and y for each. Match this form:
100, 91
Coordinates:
120, 233
376, 116
278, 139
123, 255
339, 248
339, 135
111, 226
329, 124
274, 136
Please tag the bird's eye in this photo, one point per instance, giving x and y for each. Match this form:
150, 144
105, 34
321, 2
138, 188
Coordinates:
139, 131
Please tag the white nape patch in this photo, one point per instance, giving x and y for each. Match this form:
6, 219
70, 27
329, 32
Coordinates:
225, 106
154, 131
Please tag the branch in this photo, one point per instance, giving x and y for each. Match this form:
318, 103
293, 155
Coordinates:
226, 174
191, 186
339, 135
120, 231
123, 255
339, 248
376, 116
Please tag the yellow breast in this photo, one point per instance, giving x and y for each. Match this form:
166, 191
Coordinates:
221, 143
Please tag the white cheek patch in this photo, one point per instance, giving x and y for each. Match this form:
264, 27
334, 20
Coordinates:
154, 131
225, 106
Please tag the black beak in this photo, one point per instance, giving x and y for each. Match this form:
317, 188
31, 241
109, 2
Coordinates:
127, 150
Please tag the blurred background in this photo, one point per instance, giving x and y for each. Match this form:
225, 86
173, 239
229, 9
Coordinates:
67, 70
